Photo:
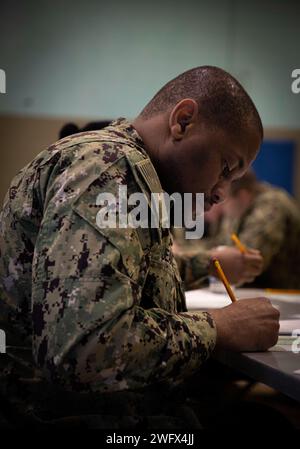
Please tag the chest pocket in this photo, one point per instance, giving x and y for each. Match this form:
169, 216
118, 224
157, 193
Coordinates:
163, 287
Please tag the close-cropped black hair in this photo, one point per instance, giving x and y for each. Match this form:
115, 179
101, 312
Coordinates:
221, 99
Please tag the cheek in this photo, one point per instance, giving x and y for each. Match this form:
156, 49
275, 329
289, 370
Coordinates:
204, 177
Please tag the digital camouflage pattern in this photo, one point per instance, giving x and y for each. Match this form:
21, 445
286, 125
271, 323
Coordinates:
272, 225
193, 259
90, 309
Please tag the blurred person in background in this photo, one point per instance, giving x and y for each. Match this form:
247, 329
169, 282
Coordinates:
71, 128
266, 218
239, 268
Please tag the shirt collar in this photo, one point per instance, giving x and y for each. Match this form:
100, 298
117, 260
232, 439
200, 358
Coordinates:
123, 128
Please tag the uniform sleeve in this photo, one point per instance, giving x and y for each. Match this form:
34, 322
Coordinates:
194, 268
264, 229
90, 332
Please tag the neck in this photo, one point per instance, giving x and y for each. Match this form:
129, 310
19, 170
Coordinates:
152, 133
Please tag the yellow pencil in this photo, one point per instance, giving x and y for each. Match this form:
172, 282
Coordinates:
238, 243
223, 278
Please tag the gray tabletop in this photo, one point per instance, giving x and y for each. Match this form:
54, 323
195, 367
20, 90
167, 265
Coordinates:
276, 369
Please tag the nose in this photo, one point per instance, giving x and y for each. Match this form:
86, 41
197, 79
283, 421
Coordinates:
220, 193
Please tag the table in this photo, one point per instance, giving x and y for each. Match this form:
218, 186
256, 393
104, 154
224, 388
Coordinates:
276, 369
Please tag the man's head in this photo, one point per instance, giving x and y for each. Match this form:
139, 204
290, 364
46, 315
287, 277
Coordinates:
241, 195
202, 130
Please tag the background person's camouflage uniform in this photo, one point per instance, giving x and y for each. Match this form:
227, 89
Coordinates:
272, 225
93, 310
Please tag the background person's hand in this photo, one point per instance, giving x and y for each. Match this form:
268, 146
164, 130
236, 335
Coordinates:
239, 268
247, 325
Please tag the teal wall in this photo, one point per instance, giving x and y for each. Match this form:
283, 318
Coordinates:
91, 59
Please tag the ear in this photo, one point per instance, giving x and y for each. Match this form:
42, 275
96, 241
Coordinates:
183, 117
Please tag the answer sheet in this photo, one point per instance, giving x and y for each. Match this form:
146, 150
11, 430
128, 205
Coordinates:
288, 305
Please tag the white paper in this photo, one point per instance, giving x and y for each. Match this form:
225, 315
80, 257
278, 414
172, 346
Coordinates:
287, 327
203, 299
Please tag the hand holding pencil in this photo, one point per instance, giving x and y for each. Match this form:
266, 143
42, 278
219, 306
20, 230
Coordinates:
239, 267
247, 325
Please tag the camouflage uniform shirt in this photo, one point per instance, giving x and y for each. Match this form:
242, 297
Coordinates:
97, 310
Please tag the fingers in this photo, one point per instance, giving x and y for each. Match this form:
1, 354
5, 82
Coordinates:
273, 327
248, 279
253, 251
250, 273
253, 264
253, 258
263, 302
254, 325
